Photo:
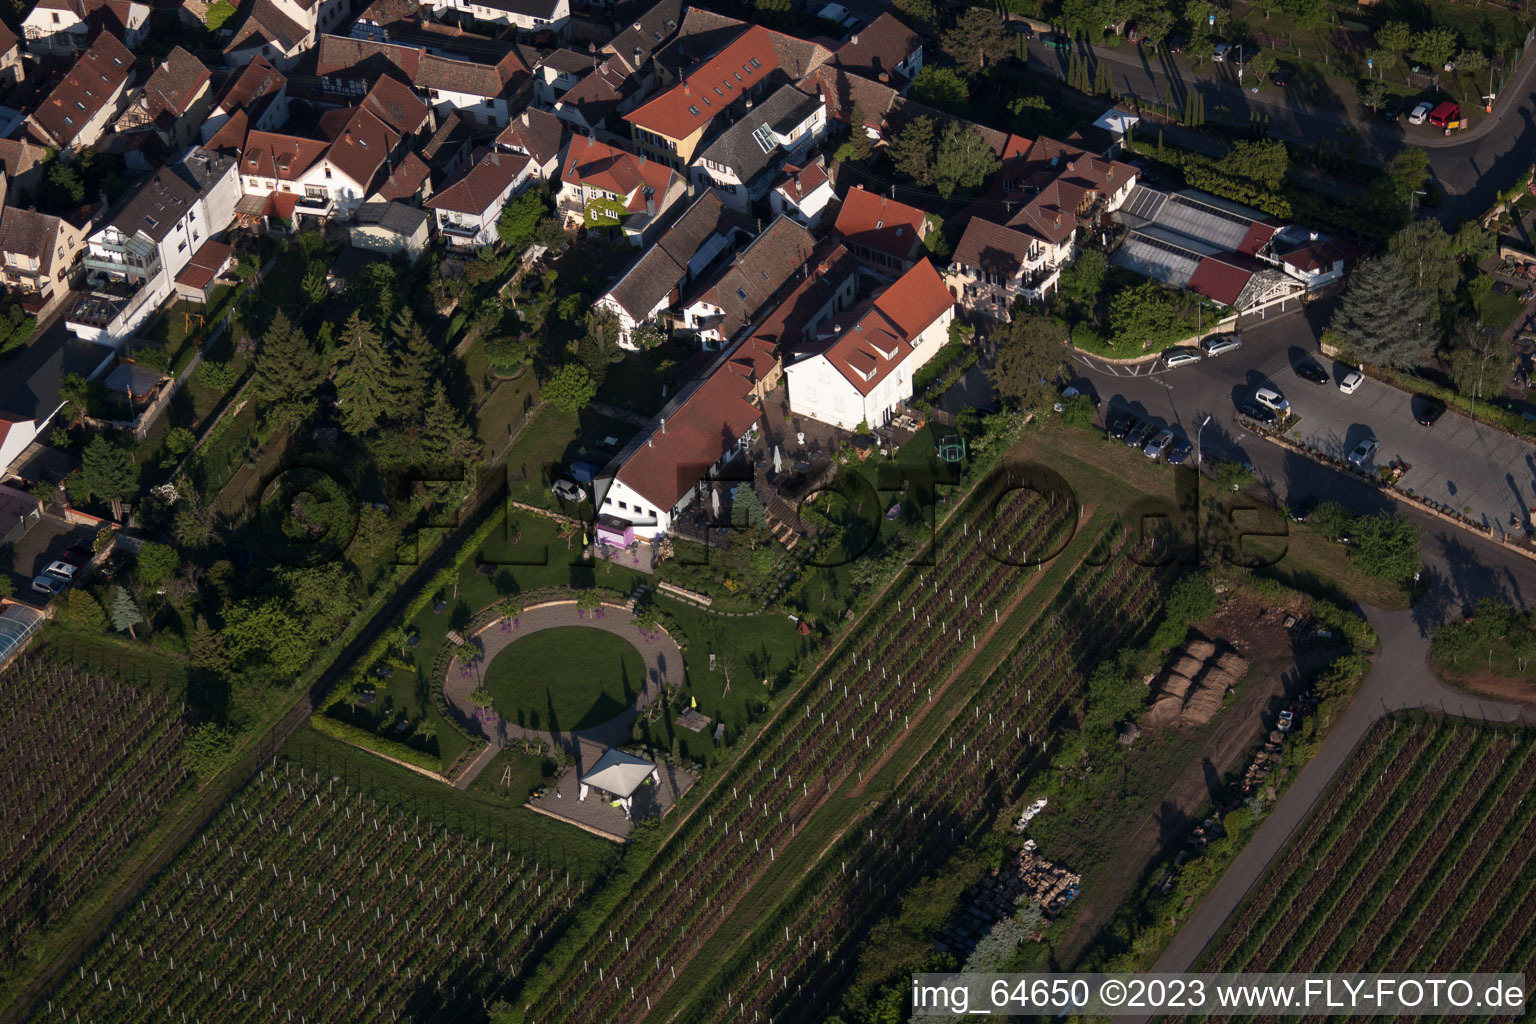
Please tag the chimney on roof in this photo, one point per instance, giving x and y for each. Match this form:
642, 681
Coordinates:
639, 57
650, 204
853, 40
525, 115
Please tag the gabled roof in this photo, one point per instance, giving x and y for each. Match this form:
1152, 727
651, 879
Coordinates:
1220, 280
710, 88
274, 155
545, 9
461, 76
800, 182
568, 61
739, 148
600, 92
845, 92
405, 181
482, 185
155, 206
360, 143
256, 80
89, 86
646, 34
18, 156
347, 57
394, 103
757, 273
785, 323
8, 39
175, 84
865, 345
618, 773
1314, 256
664, 265
875, 50
231, 136
268, 24
28, 233
599, 165
388, 12
700, 425
535, 132
992, 248
451, 140
881, 224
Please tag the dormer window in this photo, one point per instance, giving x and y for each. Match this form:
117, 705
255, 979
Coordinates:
150, 221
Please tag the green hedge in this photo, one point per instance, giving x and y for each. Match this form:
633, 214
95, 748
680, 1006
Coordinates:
329, 726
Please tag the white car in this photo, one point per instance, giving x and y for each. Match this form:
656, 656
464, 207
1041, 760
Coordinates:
1221, 51
63, 570
1271, 398
1420, 112
1363, 452
1351, 382
565, 490
1180, 357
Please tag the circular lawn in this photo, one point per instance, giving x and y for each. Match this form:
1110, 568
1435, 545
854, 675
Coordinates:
565, 677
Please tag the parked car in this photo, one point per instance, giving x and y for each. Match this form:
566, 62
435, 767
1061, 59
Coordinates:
1256, 412
567, 490
1072, 391
1282, 76
1420, 112
1057, 41
1176, 357
1020, 28
1309, 370
1287, 719
1137, 438
1179, 452
1120, 424
44, 583
64, 570
1427, 410
1220, 53
1271, 398
1351, 382
1158, 444
77, 556
1446, 115
1364, 451
1393, 111
1303, 508
1176, 44
1220, 344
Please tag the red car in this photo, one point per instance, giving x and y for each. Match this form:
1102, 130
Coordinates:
77, 556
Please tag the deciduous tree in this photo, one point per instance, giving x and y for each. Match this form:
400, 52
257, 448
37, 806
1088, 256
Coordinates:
1386, 546
941, 88
570, 389
1434, 46
156, 564
1030, 354
964, 160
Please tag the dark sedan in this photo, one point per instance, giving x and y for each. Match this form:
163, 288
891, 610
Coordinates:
1303, 508
1120, 424
1176, 44
1256, 412
1282, 76
1310, 371
1393, 110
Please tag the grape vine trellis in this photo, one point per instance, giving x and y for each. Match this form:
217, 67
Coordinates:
308, 900
87, 762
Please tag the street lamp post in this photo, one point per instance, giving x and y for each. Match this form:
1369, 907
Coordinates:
1198, 435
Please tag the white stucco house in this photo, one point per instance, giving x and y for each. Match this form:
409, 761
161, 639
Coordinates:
57, 28
467, 209
803, 194
528, 16
859, 366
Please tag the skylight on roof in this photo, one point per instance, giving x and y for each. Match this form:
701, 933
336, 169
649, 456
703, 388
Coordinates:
756, 63
150, 221
766, 140
693, 110
741, 292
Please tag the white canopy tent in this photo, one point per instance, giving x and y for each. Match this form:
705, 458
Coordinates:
618, 774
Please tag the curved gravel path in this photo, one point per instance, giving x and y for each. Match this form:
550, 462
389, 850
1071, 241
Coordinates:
663, 667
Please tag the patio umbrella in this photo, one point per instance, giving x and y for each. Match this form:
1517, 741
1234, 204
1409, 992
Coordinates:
714, 501
778, 460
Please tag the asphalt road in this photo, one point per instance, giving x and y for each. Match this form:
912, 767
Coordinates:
1477, 461
1470, 166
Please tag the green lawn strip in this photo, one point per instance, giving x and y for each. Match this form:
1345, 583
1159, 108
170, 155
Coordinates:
1449, 793
470, 812
569, 677
1445, 868
510, 778
1251, 917
1499, 311
1367, 832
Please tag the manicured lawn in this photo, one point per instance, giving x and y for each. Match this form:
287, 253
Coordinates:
570, 677
1499, 311
508, 779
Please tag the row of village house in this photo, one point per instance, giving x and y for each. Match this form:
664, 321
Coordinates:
421, 127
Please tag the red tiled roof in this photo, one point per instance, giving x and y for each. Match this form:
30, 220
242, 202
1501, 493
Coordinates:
478, 188
281, 204
1259, 234
273, 155
882, 224
1219, 281
698, 431
361, 143
877, 48
89, 86
175, 84
259, 78
231, 136
536, 132
802, 181
346, 57
871, 344
599, 165
210, 258
992, 248
1314, 256
405, 181
394, 103
710, 88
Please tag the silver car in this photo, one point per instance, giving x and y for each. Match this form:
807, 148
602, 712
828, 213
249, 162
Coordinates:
1364, 452
1221, 344
1180, 357
1158, 444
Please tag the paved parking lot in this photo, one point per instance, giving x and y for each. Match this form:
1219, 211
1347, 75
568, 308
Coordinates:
1456, 462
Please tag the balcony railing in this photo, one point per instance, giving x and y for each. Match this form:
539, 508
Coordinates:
121, 267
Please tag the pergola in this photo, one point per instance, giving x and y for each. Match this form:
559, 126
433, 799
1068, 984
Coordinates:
617, 775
